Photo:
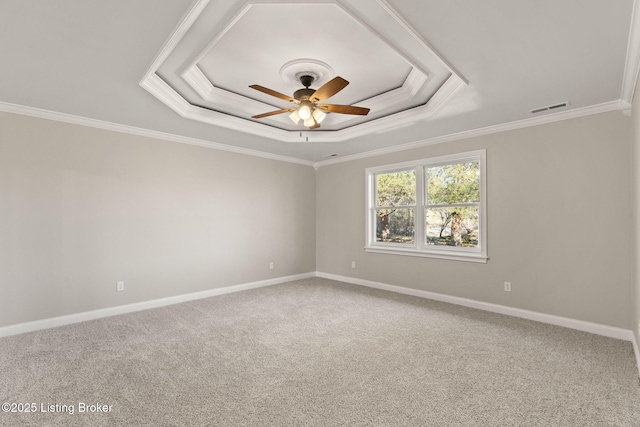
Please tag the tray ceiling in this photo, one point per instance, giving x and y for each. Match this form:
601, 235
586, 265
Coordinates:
431, 71
203, 73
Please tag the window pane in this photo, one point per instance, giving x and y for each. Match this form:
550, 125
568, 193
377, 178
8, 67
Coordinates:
396, 189
456, 183
395, 225
457, 226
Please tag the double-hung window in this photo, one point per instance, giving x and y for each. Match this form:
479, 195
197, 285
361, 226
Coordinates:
431, 207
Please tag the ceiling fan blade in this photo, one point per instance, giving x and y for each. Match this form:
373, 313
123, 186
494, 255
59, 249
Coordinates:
344, 109
328, 89
272, 92
272, 113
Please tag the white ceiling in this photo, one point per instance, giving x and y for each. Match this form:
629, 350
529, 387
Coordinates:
430, 70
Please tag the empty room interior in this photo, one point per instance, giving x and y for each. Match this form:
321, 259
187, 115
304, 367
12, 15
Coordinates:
334, 212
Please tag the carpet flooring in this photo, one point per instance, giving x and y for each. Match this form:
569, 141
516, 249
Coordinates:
316, 352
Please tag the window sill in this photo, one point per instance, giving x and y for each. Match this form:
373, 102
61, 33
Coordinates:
448, 255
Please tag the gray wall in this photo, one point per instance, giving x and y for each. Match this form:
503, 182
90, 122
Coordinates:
559, 220
83, 208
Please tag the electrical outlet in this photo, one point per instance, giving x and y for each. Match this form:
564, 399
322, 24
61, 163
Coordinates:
507, 286
353, 264
270, 266
119, 286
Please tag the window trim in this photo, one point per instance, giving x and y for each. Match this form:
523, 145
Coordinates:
420, 248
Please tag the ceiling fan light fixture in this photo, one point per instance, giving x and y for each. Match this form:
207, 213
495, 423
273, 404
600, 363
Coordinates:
305, 110
319, 115
310, 122
309, 109
295, 117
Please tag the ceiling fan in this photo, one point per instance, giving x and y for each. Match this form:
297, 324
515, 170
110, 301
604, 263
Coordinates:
309, 109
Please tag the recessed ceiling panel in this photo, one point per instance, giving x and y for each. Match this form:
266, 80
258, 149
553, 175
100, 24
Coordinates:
267, 36
221, 48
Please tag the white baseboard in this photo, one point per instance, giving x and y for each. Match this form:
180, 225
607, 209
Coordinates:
53, 322
580, 325
608, 331
594, 328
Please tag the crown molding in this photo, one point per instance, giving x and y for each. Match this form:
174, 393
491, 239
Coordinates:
132, 130
619, 105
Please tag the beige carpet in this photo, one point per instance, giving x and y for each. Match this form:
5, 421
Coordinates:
318, 353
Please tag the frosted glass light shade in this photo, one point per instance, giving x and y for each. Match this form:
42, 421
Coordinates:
295, 117
319, 115
304, 112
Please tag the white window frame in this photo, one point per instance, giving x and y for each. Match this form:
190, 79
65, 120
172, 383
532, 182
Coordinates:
420, 247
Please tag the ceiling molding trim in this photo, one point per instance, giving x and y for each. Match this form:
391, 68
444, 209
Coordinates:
415, 80
198, 82
410, 30
632, 63
166, 94
176, 36
210, 93
377, 31
228, 121
411, 86
606, 107
220, 35
172, 99
131, 130
203, 86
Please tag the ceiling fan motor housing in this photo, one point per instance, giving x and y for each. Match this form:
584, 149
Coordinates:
302, 94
